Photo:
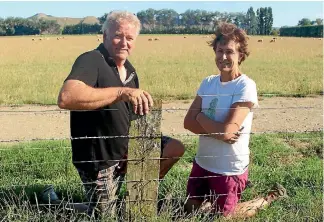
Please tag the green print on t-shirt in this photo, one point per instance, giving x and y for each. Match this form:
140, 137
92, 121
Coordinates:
211, 110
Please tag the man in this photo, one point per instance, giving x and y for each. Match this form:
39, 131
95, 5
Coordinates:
105, 81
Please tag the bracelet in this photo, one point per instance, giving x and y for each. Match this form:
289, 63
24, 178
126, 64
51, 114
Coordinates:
235, 124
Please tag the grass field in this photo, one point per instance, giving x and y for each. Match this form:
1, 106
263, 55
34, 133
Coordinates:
294, 160
172, 68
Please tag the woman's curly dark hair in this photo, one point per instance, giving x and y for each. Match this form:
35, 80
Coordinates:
226, 32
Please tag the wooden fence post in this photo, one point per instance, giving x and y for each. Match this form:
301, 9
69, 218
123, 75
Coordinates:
143, 172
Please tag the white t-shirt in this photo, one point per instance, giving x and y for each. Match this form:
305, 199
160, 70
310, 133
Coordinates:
217, 98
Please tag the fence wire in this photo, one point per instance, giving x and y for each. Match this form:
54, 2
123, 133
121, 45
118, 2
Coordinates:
156, 136
156, 110
153, 159
141, 160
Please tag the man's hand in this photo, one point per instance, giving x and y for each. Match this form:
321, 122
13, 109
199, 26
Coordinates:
140, 99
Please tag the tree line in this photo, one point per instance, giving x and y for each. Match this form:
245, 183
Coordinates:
168, 21
164, 21
20, 26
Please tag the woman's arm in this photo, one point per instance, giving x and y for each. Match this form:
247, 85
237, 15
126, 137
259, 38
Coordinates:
231, 125
190, 122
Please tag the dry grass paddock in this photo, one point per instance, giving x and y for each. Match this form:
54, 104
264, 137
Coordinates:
173, 67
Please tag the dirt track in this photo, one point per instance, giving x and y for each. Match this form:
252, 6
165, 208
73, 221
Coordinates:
275, 114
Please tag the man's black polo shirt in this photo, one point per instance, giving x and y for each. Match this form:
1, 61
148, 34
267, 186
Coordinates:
98, 70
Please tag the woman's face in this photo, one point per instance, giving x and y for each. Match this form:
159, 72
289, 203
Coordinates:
227, 56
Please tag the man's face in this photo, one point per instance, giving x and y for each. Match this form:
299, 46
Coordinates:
120, 40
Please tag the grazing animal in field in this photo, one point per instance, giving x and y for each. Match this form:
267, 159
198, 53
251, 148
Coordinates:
150, 39
273, 40
33, 39
184, 37
58, 38
260, 40
156, 39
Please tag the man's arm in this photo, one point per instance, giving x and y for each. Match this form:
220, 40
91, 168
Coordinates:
76, 95
231, 125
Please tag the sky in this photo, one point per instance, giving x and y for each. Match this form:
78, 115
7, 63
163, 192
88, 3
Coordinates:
284, 12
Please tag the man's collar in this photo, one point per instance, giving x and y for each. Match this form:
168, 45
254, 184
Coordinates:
101, 48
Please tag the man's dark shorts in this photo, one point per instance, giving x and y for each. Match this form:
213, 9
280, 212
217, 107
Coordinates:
105, 184
123, 164
164, 141
120, 169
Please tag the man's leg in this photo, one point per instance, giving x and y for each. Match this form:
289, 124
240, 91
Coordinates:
88, 179
101, 190
172, 150
108, 186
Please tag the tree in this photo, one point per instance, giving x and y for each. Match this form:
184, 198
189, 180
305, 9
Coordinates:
206, 19
274, 32
167, 18
147, 18
251, 22
153, 21
240, 20
102, 19
261, 18
2, 27
48, 27
304, 22
319, 21
26, 27
189, 18
264, 20
268, 20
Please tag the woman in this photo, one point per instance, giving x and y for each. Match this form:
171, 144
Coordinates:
222, 109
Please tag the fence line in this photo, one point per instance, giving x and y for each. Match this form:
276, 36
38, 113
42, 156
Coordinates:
174, 198
155, 136
69, 147
35, 148
154, 159
152, 136
144, 200
136, 182
155, 110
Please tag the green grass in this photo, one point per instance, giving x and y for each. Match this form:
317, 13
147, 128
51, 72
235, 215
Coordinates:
294, 160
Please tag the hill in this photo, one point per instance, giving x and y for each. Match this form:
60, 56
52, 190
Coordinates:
63, 21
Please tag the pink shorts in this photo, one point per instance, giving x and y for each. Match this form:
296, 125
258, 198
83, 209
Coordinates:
221, 190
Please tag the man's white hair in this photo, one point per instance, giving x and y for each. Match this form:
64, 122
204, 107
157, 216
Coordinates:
116, 17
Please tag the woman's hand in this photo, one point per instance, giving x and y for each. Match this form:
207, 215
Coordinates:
235, 138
